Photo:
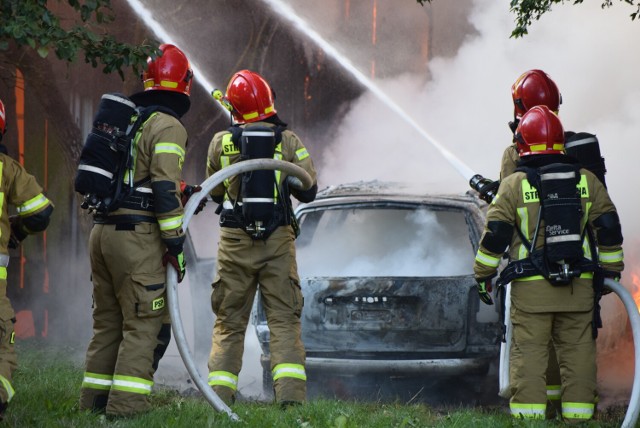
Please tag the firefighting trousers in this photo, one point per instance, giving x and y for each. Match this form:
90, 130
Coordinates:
129, 308
576, 355
244, 266
8, 359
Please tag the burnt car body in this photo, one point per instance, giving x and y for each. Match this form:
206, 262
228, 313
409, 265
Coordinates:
386, 274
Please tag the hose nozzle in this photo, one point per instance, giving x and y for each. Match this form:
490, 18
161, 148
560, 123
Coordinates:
486, 188
218, 96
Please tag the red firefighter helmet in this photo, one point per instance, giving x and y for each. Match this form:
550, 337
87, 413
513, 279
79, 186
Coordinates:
251, 97
539, 132
534, 88
3, 120
169, 72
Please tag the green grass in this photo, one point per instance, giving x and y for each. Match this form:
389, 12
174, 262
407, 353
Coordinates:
47, 388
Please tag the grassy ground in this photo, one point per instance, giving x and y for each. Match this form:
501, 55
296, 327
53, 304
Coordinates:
47, 388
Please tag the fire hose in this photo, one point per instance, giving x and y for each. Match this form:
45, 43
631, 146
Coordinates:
634, 318
172, 276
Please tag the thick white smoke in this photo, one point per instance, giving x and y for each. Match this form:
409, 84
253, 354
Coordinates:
466, 105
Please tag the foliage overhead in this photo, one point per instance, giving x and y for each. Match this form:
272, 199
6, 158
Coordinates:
527, 11
33, 24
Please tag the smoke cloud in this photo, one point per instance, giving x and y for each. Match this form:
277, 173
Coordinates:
466, 104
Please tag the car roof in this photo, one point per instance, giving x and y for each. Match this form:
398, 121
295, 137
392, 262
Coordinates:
378, 191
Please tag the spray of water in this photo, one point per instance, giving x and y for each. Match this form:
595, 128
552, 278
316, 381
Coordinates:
284, 10
147, 17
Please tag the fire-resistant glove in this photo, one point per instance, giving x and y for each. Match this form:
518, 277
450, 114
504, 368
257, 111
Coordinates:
175, 257
187, 191
484, 288
294, 183
611, 275
17, 233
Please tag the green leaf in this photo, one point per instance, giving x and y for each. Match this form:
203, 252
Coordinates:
43, 51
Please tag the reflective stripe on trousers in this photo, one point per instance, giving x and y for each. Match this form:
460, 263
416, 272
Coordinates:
578, 410
295, 371
222, 378
528, 411
97, 381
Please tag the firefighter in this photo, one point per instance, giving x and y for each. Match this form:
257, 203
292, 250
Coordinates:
131, 247
20, 189
550, 303
250, 254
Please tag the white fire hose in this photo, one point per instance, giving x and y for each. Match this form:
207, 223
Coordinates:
634, 318
172, 276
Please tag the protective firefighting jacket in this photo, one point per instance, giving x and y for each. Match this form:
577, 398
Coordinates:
517, 206
159, 151
20, 189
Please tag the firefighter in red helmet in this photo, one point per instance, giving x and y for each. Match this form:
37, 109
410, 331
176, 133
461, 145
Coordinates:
256, 250
552, 267
20, 189
532, 88
131, 246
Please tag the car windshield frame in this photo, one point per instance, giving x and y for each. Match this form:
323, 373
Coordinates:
376, 268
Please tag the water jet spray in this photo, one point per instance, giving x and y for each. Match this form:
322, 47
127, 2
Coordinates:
165, 37
284, 10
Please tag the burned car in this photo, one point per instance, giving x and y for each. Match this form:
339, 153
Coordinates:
386, 274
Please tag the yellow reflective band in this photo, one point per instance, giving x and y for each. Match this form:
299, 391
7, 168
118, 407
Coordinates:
222, 378
295, 371
578, 410
302, 153
529, 193
537, 147
554, 392
583, 187
558, 147
268, 109
168, 84
523, 213
171, 148
495, 199
3, 272
611, 256
1, 169
487, 260
136, 385
528, 411
32, 205
170, 223
250, 116
7, 387
228, 148
97, 381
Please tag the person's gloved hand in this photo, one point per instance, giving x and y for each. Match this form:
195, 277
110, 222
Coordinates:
484, 288
611, 275
175, 257
294, 183
488, 192
187, 191
17, 233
